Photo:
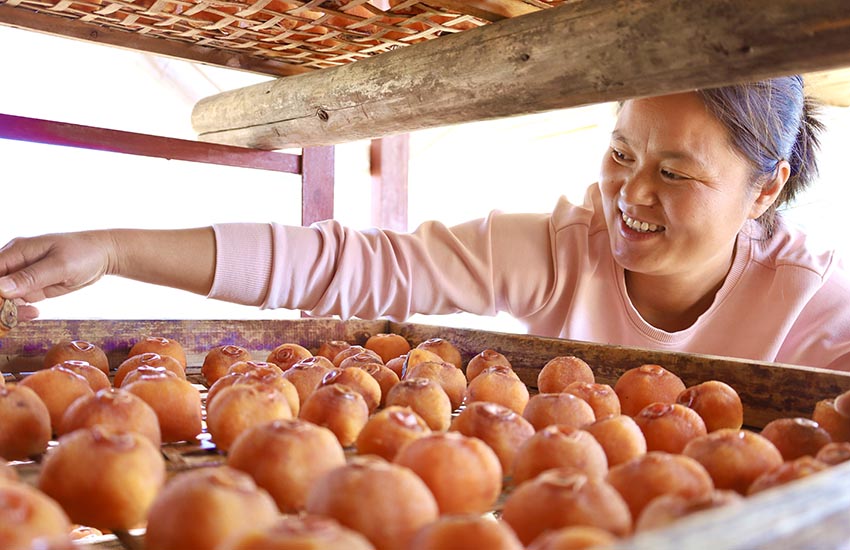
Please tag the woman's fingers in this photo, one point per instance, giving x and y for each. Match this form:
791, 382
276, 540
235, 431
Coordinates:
51, 265
26, 312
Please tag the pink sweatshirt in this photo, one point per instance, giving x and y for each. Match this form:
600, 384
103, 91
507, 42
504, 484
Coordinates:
781, 301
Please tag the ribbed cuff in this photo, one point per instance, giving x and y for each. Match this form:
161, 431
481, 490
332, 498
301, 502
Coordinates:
244, 255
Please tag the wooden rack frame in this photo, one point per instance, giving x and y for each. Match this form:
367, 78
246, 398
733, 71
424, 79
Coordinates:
388, 162
315, 164
585, 51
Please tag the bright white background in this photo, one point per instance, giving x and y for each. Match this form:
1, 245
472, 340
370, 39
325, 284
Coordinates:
456, 173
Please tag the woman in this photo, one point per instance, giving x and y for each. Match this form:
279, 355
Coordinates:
676, 248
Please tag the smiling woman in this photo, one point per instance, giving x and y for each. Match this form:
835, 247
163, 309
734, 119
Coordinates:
666, 252
676, 193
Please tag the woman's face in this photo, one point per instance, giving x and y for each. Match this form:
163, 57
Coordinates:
675, 192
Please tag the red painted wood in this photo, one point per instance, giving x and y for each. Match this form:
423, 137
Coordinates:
117, 141
317, 184
388, 158
317, 187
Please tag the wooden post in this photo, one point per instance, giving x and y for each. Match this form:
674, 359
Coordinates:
317, 184
388, 162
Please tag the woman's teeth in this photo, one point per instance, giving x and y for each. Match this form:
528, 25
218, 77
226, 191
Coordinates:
641, 227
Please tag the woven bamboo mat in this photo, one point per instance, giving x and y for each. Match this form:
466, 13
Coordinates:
314, 34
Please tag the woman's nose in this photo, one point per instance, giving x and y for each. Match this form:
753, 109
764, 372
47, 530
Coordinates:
638, 188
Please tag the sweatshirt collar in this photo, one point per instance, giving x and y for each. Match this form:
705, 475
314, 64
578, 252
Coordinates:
743, 251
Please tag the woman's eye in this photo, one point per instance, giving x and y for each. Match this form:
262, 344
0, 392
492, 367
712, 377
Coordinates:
618, 155
671, 176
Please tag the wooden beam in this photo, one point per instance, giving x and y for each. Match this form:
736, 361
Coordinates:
579, 53
317, 184
117, 141
388, 164
57, 25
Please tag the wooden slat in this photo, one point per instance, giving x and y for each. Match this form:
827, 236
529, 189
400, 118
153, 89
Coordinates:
71, 28
317, 185
489, 10
388, 160
812, 513
24, 347
579, 53
117, 141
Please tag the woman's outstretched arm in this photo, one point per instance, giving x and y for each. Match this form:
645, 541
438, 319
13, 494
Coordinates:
32, 269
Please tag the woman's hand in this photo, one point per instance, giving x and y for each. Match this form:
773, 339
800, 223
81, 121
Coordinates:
32, 269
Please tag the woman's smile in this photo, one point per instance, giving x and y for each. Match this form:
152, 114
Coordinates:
639, 226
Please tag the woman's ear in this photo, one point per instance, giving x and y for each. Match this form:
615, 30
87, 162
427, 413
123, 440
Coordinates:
768, 193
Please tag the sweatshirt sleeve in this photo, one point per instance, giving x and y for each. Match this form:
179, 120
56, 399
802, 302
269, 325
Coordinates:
820, 336
502, 262
243, 253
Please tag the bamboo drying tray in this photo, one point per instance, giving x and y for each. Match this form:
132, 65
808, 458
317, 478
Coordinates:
313, 34
813, 512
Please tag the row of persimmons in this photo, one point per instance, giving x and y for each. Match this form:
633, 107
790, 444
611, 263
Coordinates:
432, 443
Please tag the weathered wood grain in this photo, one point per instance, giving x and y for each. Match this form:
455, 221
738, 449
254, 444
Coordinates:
579, 53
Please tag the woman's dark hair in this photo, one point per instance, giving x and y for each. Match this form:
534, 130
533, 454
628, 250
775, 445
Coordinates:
771, 121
